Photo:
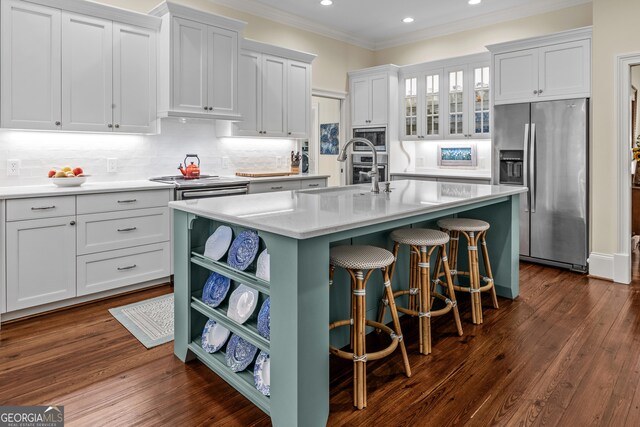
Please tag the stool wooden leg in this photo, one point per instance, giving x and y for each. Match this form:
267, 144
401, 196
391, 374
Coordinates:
453, 250
396, 320
487, 267
475, 272
392, 269
359, 358
437, 272
414, 283
450, 290
425, 303
472, 277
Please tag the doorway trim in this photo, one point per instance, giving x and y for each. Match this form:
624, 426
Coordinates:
342, 97
622, 257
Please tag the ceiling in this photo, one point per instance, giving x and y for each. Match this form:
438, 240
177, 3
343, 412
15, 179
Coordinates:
377, 24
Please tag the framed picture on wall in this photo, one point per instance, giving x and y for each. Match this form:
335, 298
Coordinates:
329, 138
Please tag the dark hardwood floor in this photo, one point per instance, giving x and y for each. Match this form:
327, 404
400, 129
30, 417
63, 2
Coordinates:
566, 353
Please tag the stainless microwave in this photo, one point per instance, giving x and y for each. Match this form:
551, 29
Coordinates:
377, 136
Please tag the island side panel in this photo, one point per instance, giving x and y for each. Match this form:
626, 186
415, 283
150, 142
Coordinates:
181, 280
299, 330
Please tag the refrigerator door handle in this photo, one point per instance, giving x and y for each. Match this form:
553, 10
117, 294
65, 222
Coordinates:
526, 166
532, 167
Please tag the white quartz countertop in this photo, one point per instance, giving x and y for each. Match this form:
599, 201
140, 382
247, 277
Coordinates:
282, 178
447, 173
304, 214
88, 187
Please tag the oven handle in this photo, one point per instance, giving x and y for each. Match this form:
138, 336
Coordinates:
212, 193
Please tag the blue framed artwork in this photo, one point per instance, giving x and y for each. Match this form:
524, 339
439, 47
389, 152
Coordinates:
329, 143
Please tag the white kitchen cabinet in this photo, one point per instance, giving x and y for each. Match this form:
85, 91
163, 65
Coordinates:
41, 261
446, 99
31, 66
87, 79
198, 63
557, 66
370, 100
287, 184
134, 79
59, 71
274, 93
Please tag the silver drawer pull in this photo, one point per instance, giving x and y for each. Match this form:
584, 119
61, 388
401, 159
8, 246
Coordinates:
277, 188
127, 268
43, 208
128, 229
128, 201
313, 185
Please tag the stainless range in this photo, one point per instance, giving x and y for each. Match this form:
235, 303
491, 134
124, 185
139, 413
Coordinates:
204, 186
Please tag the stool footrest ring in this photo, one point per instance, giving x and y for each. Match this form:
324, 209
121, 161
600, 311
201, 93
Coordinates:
395, 339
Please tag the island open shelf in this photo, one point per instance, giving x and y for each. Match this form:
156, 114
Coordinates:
299, 228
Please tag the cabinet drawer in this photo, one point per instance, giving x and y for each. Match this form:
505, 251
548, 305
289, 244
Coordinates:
40, 207
109, 202
115, 269
117, 230
266, 187
313, 183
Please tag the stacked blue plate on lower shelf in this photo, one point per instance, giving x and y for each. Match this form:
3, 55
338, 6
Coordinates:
214, 336
262, 374
240, 353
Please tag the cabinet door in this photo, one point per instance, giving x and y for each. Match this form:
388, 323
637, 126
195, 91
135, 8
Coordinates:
431, 105
360, 102
189, 66
41, 261
249, 94
298, 99
222, 75
273, 96
134, 79
411, 126
379, 99
87, 64
31, 66
457, 103
479, 101
565, 70
516, 76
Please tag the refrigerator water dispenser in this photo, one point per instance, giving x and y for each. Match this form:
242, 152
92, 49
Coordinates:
512, 167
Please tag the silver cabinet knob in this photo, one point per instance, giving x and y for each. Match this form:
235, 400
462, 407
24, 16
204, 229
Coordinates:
206, 108
72, 223
535, 92
109, 125
57, 123
289, 133
539, 91
210, 108
117, 126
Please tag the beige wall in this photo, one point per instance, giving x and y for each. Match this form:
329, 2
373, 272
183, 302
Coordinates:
615, 31
474, 41
334, 59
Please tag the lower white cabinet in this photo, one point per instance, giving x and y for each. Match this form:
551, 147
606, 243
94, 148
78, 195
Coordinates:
114, 269
286, 185
41, 261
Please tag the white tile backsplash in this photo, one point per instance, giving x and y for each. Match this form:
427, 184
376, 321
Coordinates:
139, 156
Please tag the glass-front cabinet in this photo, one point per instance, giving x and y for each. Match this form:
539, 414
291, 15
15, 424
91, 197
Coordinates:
451, 101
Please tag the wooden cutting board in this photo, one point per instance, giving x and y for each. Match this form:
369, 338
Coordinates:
263, 174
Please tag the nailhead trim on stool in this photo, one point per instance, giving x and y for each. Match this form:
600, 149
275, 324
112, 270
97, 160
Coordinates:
360, 257
419, 237
463, 224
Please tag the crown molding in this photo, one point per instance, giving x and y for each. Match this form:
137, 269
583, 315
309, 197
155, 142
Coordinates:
258, 9
197, 15
539, 7
256, 46
561, 37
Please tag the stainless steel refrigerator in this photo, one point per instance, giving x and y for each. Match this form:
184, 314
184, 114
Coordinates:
544, 146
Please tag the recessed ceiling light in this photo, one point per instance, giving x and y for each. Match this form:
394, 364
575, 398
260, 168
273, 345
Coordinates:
475, 1
407, 20
326, 2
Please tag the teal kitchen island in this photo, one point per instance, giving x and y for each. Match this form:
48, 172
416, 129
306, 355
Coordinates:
298, 228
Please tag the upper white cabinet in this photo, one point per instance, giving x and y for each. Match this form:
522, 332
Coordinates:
31, 66
446, 99
198, 63
543, 68
370, 95
88, 67
274, 95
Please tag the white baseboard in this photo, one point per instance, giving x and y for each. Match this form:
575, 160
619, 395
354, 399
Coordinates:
601, 265
622, 268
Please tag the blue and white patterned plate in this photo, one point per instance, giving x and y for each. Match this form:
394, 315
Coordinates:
243, 250
264, 319
214, 336
218, 243
262, 374
240, 353
215, 289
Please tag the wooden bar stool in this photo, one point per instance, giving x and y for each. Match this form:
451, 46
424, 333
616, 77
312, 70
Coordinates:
355, 260
475, 231
422, 243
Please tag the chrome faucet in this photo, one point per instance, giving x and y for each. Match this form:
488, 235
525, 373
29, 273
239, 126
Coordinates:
342, 157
